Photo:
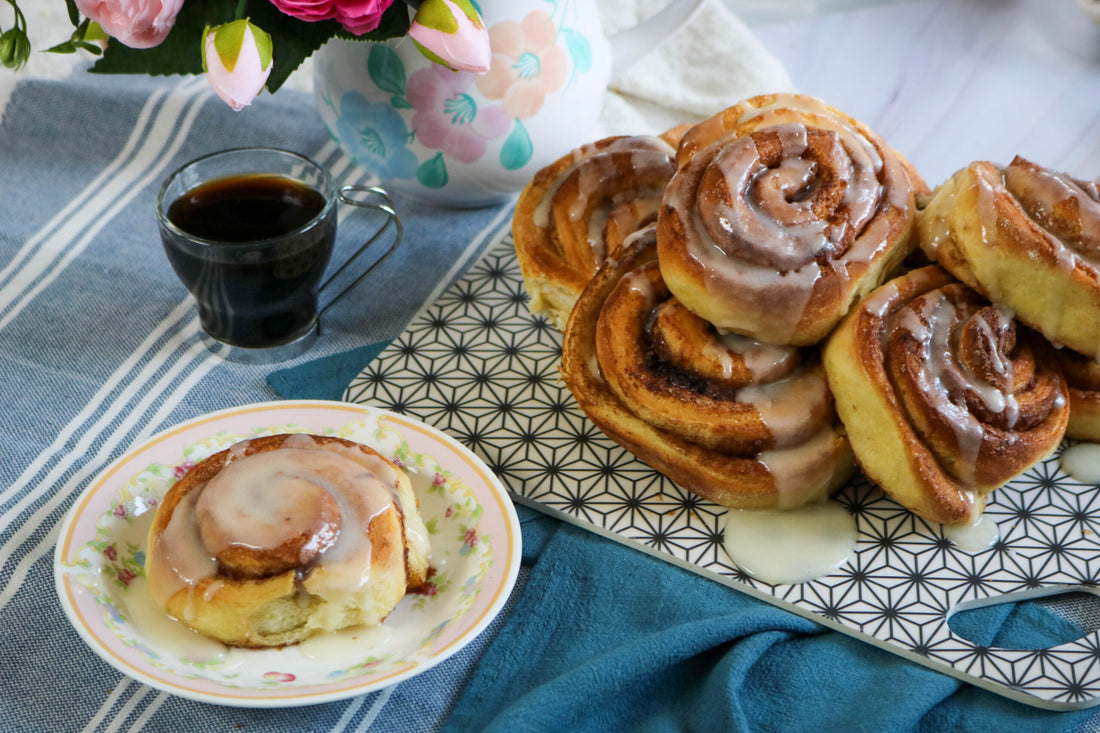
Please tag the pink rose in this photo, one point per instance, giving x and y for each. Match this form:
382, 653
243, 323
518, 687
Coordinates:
356, 16
135, 23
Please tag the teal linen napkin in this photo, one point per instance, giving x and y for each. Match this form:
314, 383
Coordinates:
606, 638
325, 378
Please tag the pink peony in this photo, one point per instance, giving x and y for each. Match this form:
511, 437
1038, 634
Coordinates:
356, 16
135, 23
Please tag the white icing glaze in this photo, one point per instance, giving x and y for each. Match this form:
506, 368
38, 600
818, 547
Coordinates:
792, 546
785, 405
761, 359
797, 470
975, 536
1082, 462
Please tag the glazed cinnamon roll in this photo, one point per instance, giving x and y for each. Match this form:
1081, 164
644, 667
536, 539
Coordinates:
577, 211
944, 396
1027, 237
741, 423
281, 537
783, 212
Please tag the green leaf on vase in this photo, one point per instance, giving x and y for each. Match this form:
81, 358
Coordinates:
517, 149
579, 49
433, 173
386, 69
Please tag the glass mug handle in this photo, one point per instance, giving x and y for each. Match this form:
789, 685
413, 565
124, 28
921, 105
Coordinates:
383, 204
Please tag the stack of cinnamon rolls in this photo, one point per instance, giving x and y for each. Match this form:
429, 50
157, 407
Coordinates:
761, 304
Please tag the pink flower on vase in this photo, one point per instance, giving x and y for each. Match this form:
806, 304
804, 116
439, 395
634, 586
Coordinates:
135, 23
119, 511
126, 576
110, 553
356, 16
526, 65
447, 118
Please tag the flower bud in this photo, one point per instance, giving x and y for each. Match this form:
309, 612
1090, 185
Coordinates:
15, 48
237, 59
451, 33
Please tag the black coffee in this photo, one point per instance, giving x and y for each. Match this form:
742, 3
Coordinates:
256, 276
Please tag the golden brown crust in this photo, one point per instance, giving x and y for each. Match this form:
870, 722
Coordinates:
666, 386
943, 396
783, 212
576, 211
1026, 237
264, 596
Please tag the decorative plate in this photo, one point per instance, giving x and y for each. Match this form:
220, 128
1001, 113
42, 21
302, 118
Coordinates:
475, 551
478, 366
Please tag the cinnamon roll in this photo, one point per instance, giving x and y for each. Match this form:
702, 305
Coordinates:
1027, 237
783, 212
577, 211
945, 397
1083, 384
741, 423
281, 537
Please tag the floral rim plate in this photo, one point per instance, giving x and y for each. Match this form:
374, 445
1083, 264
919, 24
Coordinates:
475, 552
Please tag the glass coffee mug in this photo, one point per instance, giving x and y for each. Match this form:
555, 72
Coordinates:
250, 233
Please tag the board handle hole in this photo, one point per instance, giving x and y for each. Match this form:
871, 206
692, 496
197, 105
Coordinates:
1026, 620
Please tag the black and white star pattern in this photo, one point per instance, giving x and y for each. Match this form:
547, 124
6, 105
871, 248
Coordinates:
477, 365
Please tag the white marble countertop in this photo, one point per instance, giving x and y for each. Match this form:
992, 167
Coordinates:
947, 82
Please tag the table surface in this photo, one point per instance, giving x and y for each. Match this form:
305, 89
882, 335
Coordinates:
946, 82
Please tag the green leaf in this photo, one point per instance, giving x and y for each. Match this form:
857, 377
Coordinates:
433, 173
579, 49
386, 69
517, 148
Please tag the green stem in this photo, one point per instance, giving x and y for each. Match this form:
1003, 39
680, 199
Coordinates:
241, 6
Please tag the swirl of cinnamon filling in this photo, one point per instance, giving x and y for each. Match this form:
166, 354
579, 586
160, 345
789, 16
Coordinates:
1025, 236
741, 423
280, 537
577, 211
783, 212
945, 397
1083, 383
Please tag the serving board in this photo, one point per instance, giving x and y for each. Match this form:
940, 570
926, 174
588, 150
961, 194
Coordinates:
478, 366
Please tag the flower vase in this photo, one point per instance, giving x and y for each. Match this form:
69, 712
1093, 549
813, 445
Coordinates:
454, 138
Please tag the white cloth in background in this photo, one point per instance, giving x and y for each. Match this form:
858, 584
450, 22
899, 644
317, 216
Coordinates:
710, 64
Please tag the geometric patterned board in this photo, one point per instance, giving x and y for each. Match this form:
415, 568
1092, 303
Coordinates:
478, 366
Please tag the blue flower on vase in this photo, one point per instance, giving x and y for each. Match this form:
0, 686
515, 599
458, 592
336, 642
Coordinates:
376, 136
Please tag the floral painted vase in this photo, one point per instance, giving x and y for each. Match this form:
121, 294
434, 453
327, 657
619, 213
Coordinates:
454, 138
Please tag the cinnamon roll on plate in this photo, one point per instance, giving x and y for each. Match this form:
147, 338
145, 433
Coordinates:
577, 211
281, 537
783, 212
739, 422
944, 396
1025, 236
